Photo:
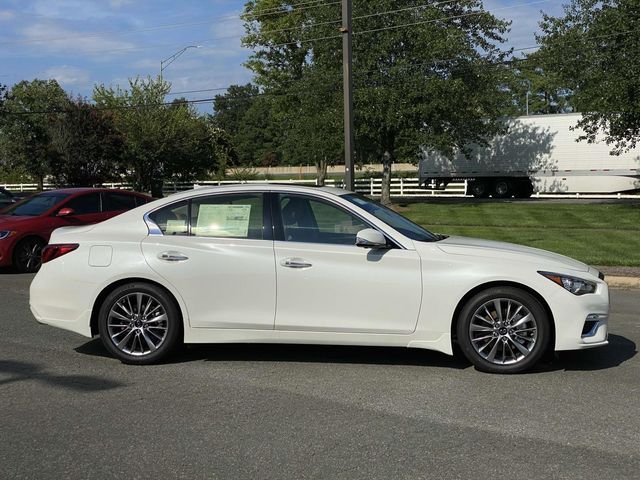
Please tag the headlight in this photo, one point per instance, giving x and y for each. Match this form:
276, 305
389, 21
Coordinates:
577, 286
6, 233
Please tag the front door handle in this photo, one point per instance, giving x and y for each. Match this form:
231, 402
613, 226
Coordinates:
295, 263
173, 257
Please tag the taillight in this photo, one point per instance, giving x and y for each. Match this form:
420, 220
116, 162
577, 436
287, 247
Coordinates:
51, 252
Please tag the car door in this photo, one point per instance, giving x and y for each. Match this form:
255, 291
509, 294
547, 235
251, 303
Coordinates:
86, 210
217, 252
326, 283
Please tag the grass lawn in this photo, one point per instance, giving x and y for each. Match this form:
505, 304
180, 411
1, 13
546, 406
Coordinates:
604, 234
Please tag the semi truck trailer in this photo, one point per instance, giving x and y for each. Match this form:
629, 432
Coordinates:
537, 153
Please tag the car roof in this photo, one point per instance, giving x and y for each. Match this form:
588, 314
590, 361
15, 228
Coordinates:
268, 186
75, 190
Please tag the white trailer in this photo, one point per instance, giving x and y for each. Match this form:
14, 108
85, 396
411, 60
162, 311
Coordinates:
538, 153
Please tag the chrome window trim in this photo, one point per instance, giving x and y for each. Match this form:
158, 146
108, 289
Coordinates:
154, 230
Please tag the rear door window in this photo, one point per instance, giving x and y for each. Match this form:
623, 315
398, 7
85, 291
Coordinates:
234, 216
84, 204
113, 202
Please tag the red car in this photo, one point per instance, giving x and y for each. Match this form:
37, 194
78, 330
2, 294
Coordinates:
25, 227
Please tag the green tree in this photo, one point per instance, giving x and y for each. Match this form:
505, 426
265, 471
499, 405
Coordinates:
594, 49
248, 119
89, 147
421, 81
163, 142
546, 93
30, 108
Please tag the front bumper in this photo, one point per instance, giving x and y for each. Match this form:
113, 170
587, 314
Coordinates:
6, 249
581, 321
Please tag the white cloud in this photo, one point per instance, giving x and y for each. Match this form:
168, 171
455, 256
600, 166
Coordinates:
71, 9
68, 75
6, 15
119, 3
64, 40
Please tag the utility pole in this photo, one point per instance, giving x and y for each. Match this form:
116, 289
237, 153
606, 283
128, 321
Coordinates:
347, 77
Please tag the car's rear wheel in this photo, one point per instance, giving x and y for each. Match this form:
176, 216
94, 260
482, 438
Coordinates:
27, 255
139, 323
503, 330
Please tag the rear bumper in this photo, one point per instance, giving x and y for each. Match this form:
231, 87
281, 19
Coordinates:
66, 306
80, 325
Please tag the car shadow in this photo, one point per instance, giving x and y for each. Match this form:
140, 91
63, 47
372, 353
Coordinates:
619, 350
8, 271
263, 352
14, 371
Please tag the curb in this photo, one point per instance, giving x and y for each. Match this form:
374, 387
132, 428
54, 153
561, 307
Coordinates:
623, 282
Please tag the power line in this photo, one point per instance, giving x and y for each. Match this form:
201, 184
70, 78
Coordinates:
399, 10
453, 17
296, 42
453, 59
512, 60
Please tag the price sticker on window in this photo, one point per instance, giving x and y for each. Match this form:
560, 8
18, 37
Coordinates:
223, 221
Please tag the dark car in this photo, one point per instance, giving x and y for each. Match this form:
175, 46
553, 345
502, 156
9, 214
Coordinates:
25, 227
6, 198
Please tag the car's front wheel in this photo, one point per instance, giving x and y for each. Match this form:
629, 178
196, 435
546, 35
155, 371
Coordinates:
27, 255
503, 330
139, 323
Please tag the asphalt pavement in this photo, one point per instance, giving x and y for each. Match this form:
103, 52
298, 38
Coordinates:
68, 410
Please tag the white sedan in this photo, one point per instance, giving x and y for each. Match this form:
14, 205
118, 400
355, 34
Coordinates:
291, 264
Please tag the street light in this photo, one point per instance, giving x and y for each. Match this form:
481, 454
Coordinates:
169, 60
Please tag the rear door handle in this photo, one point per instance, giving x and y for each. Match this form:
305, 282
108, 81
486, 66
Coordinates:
173, 257
295, 263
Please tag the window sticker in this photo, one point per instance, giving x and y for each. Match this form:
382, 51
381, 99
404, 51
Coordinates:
223, 221
176, 227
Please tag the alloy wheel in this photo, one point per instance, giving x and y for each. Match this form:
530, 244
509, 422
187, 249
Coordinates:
137, 324
503, 331
29, 256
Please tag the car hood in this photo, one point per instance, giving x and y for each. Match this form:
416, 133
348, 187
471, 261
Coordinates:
507, 251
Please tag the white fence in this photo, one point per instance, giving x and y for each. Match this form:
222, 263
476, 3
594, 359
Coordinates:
400, 187
403, 187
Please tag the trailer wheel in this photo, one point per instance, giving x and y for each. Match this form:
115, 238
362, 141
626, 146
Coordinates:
479, 188
502, 188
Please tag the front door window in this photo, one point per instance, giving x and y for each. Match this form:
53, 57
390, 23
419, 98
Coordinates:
309, 220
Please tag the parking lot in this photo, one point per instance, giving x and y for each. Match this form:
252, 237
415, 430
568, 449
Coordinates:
67, 410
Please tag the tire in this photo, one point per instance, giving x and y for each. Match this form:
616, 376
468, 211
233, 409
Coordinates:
27, 255
489, 341
139, 323
479, 188
502, 188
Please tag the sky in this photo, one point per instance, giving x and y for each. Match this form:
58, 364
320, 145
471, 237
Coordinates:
81, 43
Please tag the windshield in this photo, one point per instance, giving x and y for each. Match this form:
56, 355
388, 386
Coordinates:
391, 218
36, 205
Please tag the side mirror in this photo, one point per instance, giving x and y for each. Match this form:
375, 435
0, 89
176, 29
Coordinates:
65, 212
370, 238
